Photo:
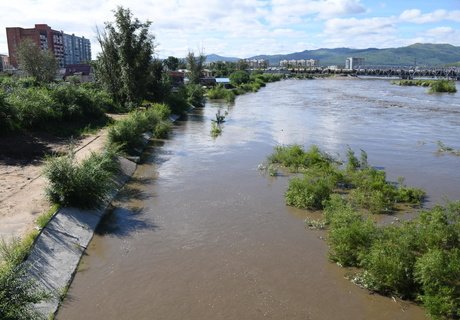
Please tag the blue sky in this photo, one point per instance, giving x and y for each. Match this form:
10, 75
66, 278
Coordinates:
244, 28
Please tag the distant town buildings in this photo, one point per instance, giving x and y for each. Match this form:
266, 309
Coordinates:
353, 63
299, 63
68, 49
256, 63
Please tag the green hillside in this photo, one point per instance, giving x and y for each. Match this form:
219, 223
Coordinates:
423, 54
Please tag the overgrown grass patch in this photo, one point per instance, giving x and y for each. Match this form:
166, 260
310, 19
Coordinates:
85, 184
219, 92
296, 159
127, 133
18, 292
53, 108
435, 85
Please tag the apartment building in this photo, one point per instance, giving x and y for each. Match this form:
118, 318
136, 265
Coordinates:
299, 63
77, 50
352, 63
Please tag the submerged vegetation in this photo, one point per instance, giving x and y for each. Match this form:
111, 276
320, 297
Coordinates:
417, 260
435, 85
442, 148
365, 187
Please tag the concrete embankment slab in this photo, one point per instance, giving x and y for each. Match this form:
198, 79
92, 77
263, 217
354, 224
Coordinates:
60, 246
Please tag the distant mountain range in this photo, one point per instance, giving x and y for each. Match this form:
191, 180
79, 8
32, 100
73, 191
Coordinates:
421, 54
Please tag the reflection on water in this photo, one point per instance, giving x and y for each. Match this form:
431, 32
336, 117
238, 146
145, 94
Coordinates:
200, 233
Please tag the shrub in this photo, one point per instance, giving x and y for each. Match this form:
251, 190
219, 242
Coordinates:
35, 107
8, 115
390, 262
443, 86
220, 92
75, 103
350, 236
295, 158
308, 193
178, 103
84, 185
127, 132
438, 272
195, 94
239, 77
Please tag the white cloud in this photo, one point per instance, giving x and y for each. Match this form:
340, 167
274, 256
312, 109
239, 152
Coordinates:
360, 33
296, 11
240, 27
416, 16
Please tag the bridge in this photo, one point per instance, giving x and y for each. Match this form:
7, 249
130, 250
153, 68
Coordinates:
450, 73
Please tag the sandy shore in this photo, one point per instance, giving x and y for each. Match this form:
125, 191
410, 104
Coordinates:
22, 186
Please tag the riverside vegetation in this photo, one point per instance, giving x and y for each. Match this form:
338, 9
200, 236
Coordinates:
35, 104
435, 85
242, 82
417, 260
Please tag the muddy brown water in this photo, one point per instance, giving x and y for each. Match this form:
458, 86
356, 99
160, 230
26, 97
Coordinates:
200, 233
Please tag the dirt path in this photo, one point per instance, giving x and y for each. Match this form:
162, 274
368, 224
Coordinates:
22, 187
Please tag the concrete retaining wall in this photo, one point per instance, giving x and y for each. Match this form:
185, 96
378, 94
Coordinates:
58, 249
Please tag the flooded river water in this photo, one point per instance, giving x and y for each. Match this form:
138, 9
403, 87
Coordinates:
200, 233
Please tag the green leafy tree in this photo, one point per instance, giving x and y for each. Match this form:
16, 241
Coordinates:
239, 77
127, 51
172, 63
39, 64
195, 66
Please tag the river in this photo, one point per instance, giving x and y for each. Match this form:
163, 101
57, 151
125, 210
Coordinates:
201, 233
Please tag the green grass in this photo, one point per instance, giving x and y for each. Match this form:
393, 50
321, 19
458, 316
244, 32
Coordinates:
220, 92
366, 187
295, 159
17, 292
435, 85
56, 108
44, 218
127, 133
84, 185
443, 86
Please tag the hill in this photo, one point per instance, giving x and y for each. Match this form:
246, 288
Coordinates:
215, 57
423, 54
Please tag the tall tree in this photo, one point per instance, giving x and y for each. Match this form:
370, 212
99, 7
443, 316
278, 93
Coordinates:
40, 64
195, 66
172, 63
127, 52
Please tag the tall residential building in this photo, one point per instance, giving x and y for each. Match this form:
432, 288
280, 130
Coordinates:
42, 35
352, 63
77, 50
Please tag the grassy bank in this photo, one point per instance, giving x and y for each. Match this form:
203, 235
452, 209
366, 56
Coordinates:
417, 260
434, 85
84, 184
242, 82
17, 292
59, 108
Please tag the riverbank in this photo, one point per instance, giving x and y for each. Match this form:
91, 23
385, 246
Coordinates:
21, 178
57, 251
